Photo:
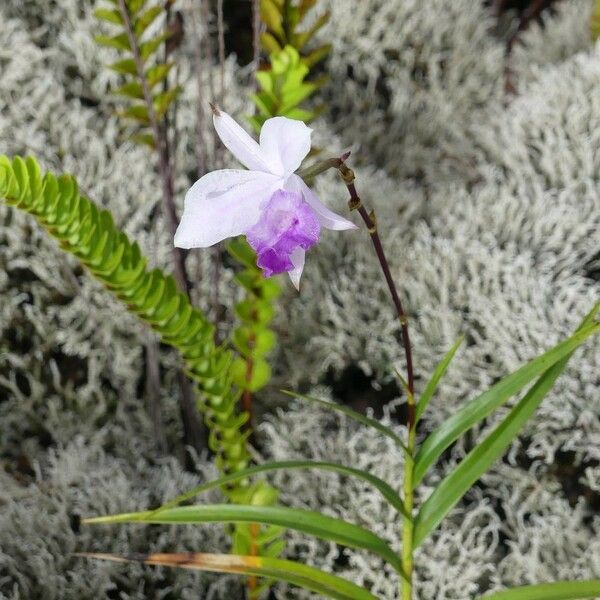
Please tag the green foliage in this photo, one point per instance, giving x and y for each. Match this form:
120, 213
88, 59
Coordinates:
483, 405
434, 509
384, 489
253, 339
283, 88
89, 234
286, 570
145, 89
284, 22
356, 416
432, 384
559, 590
595, 21
306, 521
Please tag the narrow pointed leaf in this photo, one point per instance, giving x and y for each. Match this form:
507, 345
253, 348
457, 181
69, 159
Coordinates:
284, 570
163, 100
144, 20
317, 55
560, 590
137, 112
481, 458
148, 48
158, 73
131, 89
120, 42
381, 486
352, 414
309, 522
126, 66
432, 384
481, 406
110, 15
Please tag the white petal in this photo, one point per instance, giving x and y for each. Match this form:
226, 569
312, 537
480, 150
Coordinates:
327, 218
223, 204
241, 144
285, 142
297, 258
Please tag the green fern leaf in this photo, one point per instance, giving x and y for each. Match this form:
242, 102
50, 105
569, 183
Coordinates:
89, 233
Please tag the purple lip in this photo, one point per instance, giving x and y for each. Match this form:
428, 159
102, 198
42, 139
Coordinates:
287, 222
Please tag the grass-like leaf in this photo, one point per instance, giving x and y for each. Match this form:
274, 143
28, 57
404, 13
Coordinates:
309, 522
352, 414
481, 458
560, 590
284, 570
481, 406
384, 489
432, 384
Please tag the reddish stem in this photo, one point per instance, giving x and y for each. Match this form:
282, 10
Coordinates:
355, 203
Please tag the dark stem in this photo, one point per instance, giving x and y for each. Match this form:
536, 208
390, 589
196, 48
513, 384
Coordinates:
194, 430
152, 393
168, 204
256, 34
199, 67
370, 221
216, 253
221, 39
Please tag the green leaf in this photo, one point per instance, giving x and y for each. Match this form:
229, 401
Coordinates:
146, 139
304, 37
242, 252
298, 94
481, 406
253, 342
299, 114
317, 55
352, 414
158, 73
272, 17
481, 458
595, 21
120, 42
163, 100
126, 66
259, 375
381, 486
561, 590
283, 570
110, 15
151, 46
250, 310
269, 42
432, 384
131, 89
137, 112
265, 103
306, 521
134, 6
146, 19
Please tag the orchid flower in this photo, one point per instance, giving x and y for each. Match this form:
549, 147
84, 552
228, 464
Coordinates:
278, 213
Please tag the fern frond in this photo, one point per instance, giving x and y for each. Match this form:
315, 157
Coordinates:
145, 90
285, 27
90, 234
283, 88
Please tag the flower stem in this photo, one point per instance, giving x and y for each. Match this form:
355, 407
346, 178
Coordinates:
355, 203
407, 525
370, 221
